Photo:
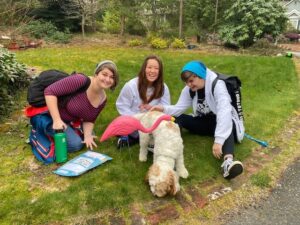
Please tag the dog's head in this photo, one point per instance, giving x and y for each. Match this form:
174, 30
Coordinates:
162, 182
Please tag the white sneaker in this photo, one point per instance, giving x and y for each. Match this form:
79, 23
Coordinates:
150, 148
231, 168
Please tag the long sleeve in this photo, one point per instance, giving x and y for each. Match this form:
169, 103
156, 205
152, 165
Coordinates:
66, 86
126, 101
183, 103
166, 98
223, 112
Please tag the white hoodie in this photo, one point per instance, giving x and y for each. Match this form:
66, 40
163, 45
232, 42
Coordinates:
219, 103
129, 99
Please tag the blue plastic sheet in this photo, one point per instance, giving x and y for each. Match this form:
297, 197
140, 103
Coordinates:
82, 163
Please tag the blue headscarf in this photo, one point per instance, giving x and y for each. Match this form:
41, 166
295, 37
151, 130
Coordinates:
196, 67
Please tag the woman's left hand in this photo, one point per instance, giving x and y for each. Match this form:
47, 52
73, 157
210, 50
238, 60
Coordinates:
89, 141
217, 150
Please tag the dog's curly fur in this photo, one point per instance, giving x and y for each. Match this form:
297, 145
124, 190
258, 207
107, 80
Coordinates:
167, 154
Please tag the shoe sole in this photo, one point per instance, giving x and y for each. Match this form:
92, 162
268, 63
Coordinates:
235, 169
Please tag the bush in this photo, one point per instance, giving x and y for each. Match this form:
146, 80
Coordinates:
178, 43
111, 22
13, 78
40, 29
59, 37
159, 43
264, 47
244, 21
150, 36
292, 36
135, 42
135, 27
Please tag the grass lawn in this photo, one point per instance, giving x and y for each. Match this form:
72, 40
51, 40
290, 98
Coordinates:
31, 194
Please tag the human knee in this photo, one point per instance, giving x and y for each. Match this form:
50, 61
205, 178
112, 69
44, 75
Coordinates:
75, 145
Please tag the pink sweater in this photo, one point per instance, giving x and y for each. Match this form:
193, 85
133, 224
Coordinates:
78, 108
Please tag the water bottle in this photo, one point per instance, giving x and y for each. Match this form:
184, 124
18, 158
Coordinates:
60, 143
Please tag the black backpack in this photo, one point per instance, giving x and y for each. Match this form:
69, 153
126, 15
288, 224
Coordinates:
233, 85
35, 93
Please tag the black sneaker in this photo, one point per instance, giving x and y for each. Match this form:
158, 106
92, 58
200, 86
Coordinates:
231, 169
126, 141
123, 141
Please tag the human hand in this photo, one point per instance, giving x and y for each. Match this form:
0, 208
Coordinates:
145, 107
89, 141
59, 125
159, 108
217, 150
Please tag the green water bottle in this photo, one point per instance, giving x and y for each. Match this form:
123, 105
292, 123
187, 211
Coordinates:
60, 143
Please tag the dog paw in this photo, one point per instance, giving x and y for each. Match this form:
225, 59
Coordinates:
183, 173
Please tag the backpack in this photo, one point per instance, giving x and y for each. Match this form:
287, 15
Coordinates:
41, 137
233, 85
35, 93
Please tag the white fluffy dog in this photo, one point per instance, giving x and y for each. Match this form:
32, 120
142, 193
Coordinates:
167, 154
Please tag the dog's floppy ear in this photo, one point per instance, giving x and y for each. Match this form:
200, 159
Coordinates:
154, 171
173, 187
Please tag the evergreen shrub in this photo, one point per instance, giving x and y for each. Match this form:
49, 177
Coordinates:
178, 43
135, 42
159, 43
13, 78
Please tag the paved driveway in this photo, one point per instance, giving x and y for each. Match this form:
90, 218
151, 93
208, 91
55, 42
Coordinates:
281, 208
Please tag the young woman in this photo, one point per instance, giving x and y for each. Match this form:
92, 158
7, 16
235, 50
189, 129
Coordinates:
213, 114
143, 92
83, 107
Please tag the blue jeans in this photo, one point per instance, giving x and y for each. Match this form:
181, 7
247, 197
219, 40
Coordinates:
74, 141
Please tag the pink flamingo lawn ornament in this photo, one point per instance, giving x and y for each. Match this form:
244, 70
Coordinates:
124, 125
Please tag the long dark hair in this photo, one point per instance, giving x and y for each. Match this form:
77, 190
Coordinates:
158, 85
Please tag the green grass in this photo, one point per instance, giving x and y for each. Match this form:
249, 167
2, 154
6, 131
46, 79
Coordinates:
261, 179
31, 194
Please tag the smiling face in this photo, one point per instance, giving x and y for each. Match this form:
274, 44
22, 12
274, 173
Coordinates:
152, 70
195, 83
105, 79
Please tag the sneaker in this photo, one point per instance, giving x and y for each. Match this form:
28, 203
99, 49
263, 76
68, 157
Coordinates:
123, 141
231, 168
126, 141
150, 148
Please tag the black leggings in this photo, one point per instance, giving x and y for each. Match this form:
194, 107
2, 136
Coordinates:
205, 126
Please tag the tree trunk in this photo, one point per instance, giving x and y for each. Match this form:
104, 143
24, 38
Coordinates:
180, 17
83, 25
216, 12
154, 15
122, 27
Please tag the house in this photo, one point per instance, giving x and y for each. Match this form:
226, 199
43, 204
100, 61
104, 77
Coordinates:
293, 12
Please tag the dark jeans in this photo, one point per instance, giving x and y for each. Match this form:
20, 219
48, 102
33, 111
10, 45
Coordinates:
205, 126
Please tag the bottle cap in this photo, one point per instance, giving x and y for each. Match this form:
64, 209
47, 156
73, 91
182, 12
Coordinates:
59, 130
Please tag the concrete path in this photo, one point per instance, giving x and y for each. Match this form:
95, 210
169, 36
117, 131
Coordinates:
282, 207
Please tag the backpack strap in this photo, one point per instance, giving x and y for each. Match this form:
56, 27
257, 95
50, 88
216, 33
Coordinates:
214, 85
219, 77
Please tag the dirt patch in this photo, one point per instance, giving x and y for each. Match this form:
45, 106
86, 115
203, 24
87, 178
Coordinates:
292, 47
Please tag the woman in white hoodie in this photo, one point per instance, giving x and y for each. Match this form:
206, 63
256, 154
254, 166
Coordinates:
141, 93
213, 114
